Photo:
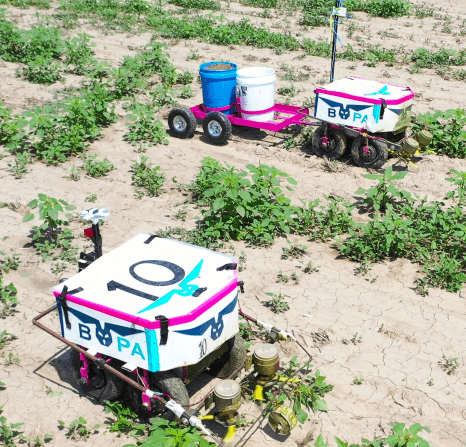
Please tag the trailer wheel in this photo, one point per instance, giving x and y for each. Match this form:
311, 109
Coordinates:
217, 127
232, 360
103, 385
373, 155
335, 146
168, 382
182, 122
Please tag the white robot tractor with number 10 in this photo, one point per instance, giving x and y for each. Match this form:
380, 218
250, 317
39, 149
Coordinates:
152, 305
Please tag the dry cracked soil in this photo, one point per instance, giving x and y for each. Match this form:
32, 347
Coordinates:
403, 335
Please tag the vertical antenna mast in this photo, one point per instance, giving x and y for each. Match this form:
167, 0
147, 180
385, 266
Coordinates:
334, 18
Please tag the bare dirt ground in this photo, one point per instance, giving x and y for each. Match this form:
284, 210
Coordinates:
396, 360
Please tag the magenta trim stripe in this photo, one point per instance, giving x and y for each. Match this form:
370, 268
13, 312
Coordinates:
392, 102
217, 109
393, 85
148, 324
258, 112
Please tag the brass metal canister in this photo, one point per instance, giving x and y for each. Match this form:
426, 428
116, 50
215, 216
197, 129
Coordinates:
265, 360
424, 137
227, 396
282, 420
410, 146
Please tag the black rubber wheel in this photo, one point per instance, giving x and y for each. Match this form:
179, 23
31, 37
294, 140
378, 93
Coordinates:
232, 360
374, 155
336, 145
217, 127
103, 385
182, 122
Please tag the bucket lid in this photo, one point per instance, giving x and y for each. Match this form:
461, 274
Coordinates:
255, 72
266, 351
227, 389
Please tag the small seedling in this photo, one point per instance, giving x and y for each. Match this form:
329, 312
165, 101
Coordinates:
277, 304
123, 421
147, 176
91, 198
9, 263
6, 338
95, 168
78, 429
363, 268
354, 339
381, 328
193, 55
11, 359
242, 261
449, 365
294, 251
9, 433
430, 382
74, 174
182, 214
358, 381
51, 393
310, 268
38, 442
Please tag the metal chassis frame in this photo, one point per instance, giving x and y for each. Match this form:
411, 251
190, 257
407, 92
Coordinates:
298, 114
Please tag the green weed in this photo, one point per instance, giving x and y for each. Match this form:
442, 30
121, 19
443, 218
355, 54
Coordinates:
449, 365
358, 381
123, 421
310, 268
447, 129
92, 198
147, 177
211, 5
11, 359
162, 430
294, 251
78, 429
6, 338
96, 168
9, 263
8, 300
50, 235
144, 127
277, 304
10, 433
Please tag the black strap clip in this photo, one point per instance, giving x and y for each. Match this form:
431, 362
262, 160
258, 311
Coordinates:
64, 304
199, 291
163, 328
241, 286
231, 266
150, 239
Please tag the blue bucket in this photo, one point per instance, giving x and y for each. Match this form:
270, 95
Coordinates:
219, 87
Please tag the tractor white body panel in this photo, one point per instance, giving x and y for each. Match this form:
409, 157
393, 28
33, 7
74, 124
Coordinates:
126, 289
368, 105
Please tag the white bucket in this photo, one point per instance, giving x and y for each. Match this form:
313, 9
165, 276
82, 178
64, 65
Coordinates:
256, 91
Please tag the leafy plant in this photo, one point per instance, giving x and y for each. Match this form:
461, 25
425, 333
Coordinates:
11, 359
186, 77
9, 433
380, 196
277, 304
38, 442
41, 71
145, 127
92, 198
6, 338
193, 55
78, 429
449, 365
19, 167
50, 235
447, 129
161, 431
294, 251
123, 419
8, 300
309, 395
74, 174
358, 381
310, 268
147, 176
186, 92
96, 168
9, 263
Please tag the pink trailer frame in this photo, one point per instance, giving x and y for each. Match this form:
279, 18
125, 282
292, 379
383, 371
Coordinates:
298, 115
